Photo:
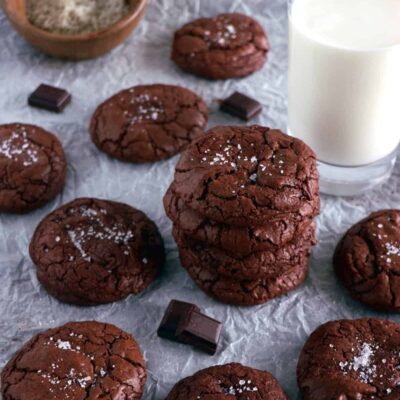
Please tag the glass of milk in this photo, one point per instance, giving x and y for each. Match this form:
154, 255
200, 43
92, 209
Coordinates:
344, 88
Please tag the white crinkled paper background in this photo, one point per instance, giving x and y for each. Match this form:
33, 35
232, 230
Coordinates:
267, 337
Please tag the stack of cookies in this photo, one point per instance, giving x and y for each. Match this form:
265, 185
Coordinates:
242, 204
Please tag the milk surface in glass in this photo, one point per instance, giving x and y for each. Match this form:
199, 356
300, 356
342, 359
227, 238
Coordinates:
344, 78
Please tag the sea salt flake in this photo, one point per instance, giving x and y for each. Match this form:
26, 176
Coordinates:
361, 364
17, 146
83, 381
363, 359
240, 387
392, 249
64, 345
231, 29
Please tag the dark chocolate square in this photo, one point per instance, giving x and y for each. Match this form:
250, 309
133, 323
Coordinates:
242, 106
176, 311
200, 331
49, 98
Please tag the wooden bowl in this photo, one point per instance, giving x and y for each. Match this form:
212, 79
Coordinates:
74, 47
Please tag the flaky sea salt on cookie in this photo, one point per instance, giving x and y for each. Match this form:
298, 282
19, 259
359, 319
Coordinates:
79, 360
245, 176
148, 123
32, 167
225, 46
234, 381
93, 251
367, 260
351, 359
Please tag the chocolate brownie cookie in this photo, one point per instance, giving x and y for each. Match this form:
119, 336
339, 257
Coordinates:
32, 167
148, 123
258, 265
233, 380
79, 360
223, 47
351, 359
94, 251
367, 260
244, 292
248, 175
241, 241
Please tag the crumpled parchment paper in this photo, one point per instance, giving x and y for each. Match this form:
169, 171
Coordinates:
267, 337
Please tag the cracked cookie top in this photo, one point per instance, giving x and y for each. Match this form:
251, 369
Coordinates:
77, 361
367, 260
225, 46
244, 292
241, 241
351, 359
233, 381
248, 176
148, 123
266, 264
32, 167
93, 251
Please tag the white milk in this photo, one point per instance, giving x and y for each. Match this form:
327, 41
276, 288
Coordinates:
344, 78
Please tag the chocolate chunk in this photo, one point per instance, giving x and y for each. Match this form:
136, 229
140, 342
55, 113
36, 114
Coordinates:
183, 322
200, 331
241, 106
176, 311
49, 98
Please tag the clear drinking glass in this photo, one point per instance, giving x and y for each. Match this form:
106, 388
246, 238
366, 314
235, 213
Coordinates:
344, 89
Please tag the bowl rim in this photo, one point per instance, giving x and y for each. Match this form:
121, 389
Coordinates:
61, 37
